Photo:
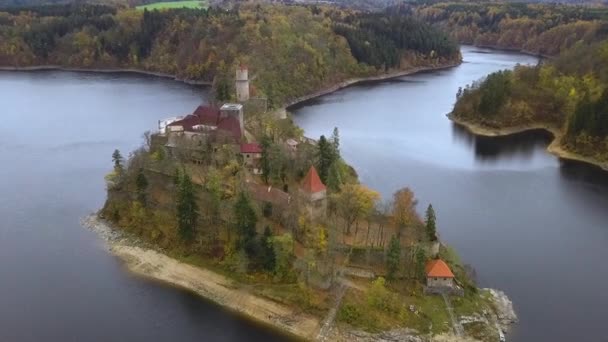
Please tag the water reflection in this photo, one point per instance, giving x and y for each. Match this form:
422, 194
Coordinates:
584, 173
493, 149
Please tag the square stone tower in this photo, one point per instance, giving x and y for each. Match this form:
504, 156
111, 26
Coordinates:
233, 110
242, 84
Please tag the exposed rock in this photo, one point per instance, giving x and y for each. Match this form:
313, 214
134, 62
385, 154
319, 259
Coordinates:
504, 309
104, 231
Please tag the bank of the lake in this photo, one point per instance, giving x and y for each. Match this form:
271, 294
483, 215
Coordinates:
104, 71
145, 260
555, 147
153, 263
371, 79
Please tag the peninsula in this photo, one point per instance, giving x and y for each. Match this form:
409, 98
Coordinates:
567, 96
233, 202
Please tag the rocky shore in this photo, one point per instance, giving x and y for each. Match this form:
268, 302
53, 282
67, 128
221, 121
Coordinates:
554, 147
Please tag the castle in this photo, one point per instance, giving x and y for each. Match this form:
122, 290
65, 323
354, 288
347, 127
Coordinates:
242, 84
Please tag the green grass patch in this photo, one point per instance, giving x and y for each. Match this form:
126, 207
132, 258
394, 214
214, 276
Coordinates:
429, 314
173, 4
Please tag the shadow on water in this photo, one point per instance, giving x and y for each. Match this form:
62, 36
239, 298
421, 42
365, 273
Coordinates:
584, 173
488, 149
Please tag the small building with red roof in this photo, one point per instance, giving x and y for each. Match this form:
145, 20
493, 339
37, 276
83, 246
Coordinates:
252, 154
438, 274
314, 192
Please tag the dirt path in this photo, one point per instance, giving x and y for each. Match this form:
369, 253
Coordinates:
331, 315
458, 330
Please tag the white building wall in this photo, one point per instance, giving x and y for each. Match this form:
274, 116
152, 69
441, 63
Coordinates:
242, 84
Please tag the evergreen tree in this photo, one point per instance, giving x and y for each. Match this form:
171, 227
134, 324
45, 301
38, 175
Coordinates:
245, 222
187, 208
420, 262
334, 178
393, 257
325, 157
141, 183
117, 160
268, 254
335, 140
431, 227
265, 163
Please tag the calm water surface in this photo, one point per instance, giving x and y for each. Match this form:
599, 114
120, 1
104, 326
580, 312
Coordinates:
57, 283
530, 225
527, 223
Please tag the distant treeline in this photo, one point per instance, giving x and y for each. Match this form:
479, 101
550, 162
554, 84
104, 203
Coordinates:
545, 29
292, 50
379, 39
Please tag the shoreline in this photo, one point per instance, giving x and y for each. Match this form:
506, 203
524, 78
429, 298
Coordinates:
553, 148
514, 50
326, 91
151, 264
104, 71
147, 262
370, 79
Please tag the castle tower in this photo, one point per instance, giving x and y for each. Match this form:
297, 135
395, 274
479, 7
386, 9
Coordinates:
233, 110
314, 193
242, 84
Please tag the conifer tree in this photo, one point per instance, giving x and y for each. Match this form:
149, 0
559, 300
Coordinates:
268, 254
431, 225
393, 257
117, 160
187, 208
334, 177
325, 157
245, 222
265, 164
335, 140
420, 261
141, 183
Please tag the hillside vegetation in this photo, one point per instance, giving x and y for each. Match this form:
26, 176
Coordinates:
570, 92
291, 50
545, 29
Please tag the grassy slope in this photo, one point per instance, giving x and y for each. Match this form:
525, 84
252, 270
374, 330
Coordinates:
174, 4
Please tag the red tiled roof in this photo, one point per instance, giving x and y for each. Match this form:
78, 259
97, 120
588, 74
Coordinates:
251, 148
230, 126
438, 269
312, 183
187, 122
268, 194
209, 116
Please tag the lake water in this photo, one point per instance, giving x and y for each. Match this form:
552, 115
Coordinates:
57, 283
529, 224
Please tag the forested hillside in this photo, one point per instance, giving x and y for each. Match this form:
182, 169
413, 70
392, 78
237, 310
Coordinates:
570, 92
291, 50
545, 29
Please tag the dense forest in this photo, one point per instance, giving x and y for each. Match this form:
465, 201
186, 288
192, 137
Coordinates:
545, 29
569, 92
378, 39
291, 50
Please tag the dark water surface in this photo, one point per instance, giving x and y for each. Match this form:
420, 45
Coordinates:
530, 225
57, 283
